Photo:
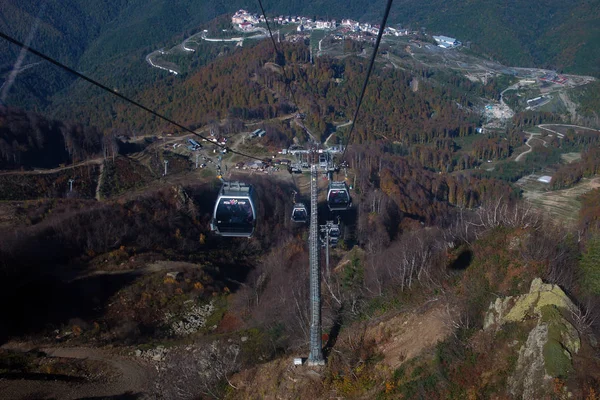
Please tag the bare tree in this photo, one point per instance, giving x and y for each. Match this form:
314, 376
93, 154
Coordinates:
587, 315
554, 247
501, 212
276, 293
110, 145
412, 258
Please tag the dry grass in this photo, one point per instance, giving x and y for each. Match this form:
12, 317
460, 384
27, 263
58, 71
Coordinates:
563, 204
571, 157
407, 335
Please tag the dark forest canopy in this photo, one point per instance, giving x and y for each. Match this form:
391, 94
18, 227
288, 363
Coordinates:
32, 141
544, 33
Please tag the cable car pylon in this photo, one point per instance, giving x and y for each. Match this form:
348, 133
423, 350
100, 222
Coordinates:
315, 356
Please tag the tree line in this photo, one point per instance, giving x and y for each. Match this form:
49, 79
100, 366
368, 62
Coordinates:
31, 141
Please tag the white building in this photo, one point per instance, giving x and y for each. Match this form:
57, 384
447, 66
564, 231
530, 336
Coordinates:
324, 25
545, 179
395, 32
242, 16
239, 17
354, 25
374, 30
446, 42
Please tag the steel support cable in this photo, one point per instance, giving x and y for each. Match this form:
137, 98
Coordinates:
279, 54
114, 92
364, 88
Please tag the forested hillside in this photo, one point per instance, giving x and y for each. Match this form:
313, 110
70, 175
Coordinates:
551, 34
109, 40
61, 29
29, 140
97, 38
547, 33
438, 281
247, 85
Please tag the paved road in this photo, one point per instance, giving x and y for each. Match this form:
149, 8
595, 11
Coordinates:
545, 126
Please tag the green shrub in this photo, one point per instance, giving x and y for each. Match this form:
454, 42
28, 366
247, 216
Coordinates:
558, 363
590, 266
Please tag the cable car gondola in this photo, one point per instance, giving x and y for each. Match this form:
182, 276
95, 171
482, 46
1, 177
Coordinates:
323, 162
299, 213
334, 231
338, 196
235, 210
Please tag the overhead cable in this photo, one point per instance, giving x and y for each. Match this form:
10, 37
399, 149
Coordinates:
279, 54
364, 88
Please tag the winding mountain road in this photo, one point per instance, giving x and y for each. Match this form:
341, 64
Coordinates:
523, 154
53, 170
545, 127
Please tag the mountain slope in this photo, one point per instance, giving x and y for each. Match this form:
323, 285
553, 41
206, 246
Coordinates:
548, 33
108, 39
89, 37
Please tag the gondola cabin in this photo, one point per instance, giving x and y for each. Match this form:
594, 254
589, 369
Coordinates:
323, 160
334, 231
338, 196
299, 213
235, 210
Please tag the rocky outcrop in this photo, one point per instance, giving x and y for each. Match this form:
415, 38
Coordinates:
530, 376
192, 320
548, 350
519, 308
156, 354
183, 201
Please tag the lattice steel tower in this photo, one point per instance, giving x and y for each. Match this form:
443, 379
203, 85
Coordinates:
316, 349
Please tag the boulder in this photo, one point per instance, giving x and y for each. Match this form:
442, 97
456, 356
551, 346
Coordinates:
519, 308
548, 351
530, 378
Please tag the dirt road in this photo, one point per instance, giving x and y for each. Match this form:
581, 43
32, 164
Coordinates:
100, 180
523, 154
53, 170
133, 378
571, 107
561, 135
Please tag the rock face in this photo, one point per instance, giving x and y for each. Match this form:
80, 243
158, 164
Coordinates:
156, 354
550, 344
530, 375
192, 320
183, 201
516, 309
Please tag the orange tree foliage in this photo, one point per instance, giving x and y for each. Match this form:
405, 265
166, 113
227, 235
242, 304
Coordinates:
589, 215
570, 174
247, 85
392, 188
330, 88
